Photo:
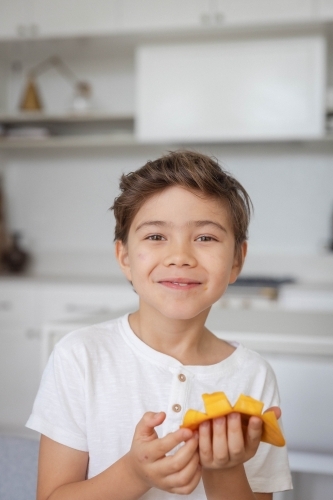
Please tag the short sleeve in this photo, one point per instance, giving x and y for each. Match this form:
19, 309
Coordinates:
268, 471
59, 408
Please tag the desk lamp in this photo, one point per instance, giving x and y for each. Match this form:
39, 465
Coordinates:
31, 100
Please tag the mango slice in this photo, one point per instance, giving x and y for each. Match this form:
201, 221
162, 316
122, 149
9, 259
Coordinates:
218, 405
248, 406
194, 418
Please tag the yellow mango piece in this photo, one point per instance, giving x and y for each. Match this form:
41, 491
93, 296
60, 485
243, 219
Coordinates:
216, 404
193, 418
271, 430
248, 406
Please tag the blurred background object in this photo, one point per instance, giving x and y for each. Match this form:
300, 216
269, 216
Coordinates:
31, 99
4, 239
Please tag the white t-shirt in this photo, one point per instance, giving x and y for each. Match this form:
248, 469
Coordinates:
101, 379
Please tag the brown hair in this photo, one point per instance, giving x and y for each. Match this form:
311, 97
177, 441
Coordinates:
190, 170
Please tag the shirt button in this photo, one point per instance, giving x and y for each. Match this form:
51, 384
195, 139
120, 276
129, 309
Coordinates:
177, 408
181, 377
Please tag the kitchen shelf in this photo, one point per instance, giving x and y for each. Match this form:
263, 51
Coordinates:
129, 140
72, 130
100, 130
104, 140
39, 117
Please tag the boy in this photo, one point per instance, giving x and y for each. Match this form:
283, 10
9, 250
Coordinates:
113, 395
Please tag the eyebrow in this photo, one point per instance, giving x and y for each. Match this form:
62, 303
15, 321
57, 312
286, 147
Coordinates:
195, 223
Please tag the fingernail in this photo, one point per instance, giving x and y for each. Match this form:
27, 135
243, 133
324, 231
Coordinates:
256, 422
233, 416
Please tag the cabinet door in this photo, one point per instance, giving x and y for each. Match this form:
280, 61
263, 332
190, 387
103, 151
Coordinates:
20, 372
17, 304
75, 17
325, 9
154, 14
14, 17
76, 302
245, 90
265, 11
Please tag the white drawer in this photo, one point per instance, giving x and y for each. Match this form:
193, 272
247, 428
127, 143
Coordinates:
62, 302
17, 304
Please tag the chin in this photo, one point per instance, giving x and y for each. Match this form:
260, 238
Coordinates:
182, 313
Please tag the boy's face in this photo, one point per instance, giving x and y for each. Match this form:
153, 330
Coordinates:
180, 253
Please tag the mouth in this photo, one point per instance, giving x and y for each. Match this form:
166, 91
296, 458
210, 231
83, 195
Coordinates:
179, 283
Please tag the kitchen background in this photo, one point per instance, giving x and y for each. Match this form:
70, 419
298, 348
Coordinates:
60, 168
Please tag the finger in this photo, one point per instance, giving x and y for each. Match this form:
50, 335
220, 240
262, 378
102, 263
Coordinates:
183, 456
220, 440
184, 479
145, 427
188, 488
276, 410
235, 436
164, 445
205, 442
253, 436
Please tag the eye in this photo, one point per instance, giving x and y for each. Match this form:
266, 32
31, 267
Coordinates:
206, 238
155, 237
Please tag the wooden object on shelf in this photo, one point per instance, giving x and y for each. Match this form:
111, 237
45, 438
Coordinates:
82, 90
3, 228
31, 100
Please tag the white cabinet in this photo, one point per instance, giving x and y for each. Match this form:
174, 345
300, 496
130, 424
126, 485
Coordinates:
17, 305
269, 89
32, 18
25, 306
155, 14
75, 17
16, 18
77, 301
20, 352
324, 9
19, 374
264, 11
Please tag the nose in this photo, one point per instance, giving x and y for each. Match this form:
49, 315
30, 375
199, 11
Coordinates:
180, 254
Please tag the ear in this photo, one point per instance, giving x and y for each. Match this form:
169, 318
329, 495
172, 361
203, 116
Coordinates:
239, 258
121, 252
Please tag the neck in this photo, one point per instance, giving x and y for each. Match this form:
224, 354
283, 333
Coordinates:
183, 339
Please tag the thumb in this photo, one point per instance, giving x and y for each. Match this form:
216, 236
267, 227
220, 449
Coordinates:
145, 427
276, 410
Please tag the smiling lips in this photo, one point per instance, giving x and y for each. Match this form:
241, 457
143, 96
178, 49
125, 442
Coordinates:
179, 283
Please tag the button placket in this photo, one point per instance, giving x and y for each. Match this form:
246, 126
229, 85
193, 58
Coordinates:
178, 399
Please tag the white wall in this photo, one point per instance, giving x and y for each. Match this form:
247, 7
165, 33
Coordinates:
60, 200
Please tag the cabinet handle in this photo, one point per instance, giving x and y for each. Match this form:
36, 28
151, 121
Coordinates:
219, 18
21, 30
34, 30
205, 18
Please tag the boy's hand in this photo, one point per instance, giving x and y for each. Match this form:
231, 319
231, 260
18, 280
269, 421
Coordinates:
179, 473
223, 443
